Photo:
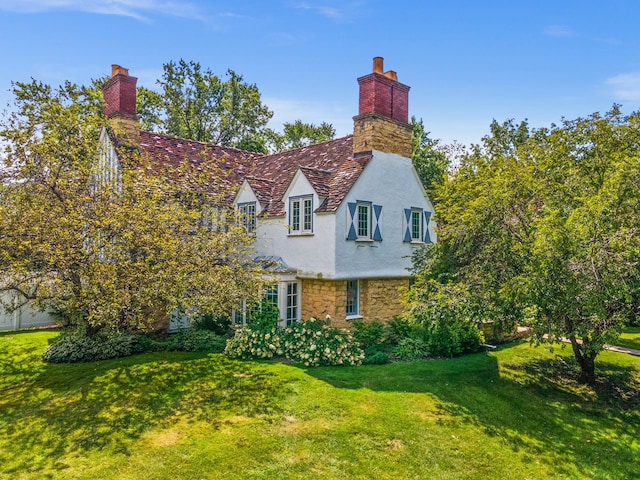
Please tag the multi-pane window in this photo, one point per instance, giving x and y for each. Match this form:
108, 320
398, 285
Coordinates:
247, 215
301, 214
292, 303
416, 225
353, 298
271, 294
364, 220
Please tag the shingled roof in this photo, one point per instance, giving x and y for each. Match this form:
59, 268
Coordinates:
329, 167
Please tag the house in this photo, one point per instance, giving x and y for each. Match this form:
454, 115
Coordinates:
335, 223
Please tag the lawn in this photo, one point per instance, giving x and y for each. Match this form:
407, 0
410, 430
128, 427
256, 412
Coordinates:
630, 338
515, 413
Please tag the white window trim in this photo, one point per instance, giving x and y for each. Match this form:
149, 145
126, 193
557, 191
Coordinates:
356, 315
420, 213
301, 201
369, 233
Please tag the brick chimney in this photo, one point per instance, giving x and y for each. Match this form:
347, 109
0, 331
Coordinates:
119, 105
383, 120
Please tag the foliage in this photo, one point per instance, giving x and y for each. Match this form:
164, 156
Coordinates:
116, 254
448, 316
368, 334
541, 227
411, 349
195, 103
73, 348
398, 328
429, 160
299, 134
375, 356
254, 343
195, 340
312, 343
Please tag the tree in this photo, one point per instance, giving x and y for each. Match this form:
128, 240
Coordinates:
195, 103
108, 254
299, 134
430, 162
542, 228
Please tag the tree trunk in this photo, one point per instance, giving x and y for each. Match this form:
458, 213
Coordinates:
587, 363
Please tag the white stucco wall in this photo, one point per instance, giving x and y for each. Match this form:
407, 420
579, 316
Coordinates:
311, 254
389, 180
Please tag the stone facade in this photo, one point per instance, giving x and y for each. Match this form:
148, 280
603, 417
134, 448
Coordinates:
380, 299
372, 131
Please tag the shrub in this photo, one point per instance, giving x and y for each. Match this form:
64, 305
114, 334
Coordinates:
217, 325
411, 349
368, 333
447, 314
252, 343
374, 356
311, 343
74, 348
397, 329
196, 340
314, 343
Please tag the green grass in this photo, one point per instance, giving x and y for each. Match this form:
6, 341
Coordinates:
514, 413
630, 338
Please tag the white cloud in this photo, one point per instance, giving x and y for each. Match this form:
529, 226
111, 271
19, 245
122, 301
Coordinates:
138, 9
558, 31
625, 86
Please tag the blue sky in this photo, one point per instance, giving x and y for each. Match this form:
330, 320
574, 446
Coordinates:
467, 61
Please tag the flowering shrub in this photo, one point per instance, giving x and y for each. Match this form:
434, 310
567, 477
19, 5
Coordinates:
311, 343
315, 343
254, 343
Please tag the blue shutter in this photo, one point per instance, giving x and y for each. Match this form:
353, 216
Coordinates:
352, 235
377, 210
427, 216
407, 231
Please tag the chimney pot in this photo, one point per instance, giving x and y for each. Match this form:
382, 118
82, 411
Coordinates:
378, 64
118, 70
392, 75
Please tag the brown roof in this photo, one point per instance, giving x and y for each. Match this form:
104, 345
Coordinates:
330, 167
232, 165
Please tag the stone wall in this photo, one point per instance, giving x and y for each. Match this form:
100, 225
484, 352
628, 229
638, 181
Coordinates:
372, 131
380, 299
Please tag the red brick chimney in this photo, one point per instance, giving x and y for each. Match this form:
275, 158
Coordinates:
382, 122
119, 105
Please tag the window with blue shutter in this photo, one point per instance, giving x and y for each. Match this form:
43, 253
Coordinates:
364, 221
416, 221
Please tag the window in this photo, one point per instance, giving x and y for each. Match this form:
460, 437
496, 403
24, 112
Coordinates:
301, 215
292, 303
416, 225
247, 215
271, 294
353, 298
363, 220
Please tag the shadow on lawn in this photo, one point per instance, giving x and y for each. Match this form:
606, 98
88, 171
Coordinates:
64, 410
536, 406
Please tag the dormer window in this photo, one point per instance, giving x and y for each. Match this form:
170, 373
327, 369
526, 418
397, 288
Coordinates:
247, 216
301, 214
